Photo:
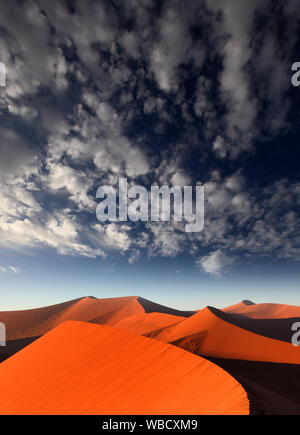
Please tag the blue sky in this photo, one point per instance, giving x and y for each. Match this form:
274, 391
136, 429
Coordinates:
159, 94
47, 279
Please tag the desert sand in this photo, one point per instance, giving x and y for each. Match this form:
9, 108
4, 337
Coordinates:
133, 356
81, 368
34, 323
147, 323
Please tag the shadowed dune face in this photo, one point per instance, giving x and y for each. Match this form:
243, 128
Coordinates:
264, 311
207, 334
81, 368
152, 307
272, 388
14, 346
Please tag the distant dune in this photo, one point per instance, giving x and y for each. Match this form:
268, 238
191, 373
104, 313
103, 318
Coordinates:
23, 327
34, 323
264, 311
277, 328
81, 368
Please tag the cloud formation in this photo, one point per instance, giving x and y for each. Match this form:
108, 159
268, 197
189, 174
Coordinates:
12, 269
214, 263
160, 94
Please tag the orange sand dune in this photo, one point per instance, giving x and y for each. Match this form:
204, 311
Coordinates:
148, 322
34, 323
207, 334
264, 311
82, 368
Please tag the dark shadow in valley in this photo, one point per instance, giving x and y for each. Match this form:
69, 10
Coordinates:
14, 346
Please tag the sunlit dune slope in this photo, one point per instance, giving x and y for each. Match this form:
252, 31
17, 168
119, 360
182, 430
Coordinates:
264, 311
82, 368
207, 334
147, 322
34, 323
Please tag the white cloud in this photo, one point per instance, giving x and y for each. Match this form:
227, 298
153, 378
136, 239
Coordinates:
181, 179
168, 240
173, 48
238, 21
100, 141
84, 141
235, 183
15, 153
25, 224
58, 232
113, 237
134, 257
75, 182
214, 263
131, 44
12, 269
220, 148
